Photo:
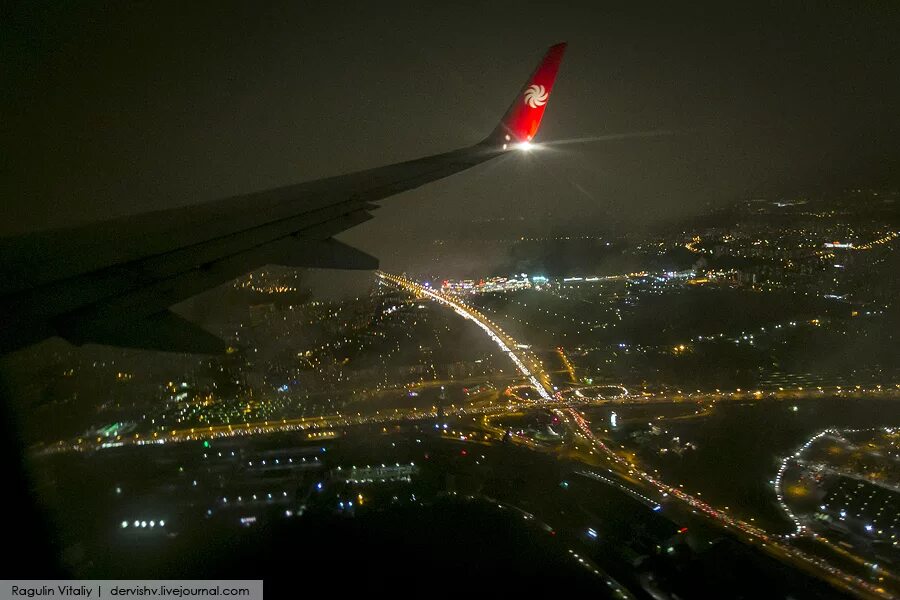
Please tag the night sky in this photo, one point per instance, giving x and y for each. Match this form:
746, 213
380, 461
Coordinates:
119, 109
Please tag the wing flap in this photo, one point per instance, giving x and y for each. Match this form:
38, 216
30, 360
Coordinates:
164, 331
319, 254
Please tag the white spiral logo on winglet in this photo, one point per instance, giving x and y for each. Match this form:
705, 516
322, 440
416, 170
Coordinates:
536, 95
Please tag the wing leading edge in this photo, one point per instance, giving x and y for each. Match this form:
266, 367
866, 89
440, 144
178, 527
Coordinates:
112, 282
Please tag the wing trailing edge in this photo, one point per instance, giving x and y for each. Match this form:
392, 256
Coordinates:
324, 254
165, 331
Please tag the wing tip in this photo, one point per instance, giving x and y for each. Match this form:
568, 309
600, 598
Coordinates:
523, 118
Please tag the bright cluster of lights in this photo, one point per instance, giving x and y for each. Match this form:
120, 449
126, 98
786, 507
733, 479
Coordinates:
795, 457
880, 241
779, 478
656, 506
141, 524
470, 315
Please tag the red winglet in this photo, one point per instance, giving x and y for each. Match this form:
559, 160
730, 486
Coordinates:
522, 119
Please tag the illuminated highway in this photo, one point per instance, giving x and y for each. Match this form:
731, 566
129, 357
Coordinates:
627, 469
526, 363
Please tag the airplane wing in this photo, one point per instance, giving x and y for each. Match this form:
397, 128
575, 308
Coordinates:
112, 282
